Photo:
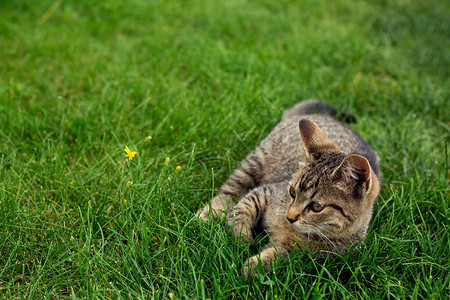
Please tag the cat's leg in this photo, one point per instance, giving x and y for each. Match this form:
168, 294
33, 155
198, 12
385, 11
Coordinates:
245, 177
247, 212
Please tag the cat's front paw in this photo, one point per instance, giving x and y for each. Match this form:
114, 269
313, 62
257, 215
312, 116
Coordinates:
239, 228
265, 260
250, 266
203, 213
218, 209
208, 213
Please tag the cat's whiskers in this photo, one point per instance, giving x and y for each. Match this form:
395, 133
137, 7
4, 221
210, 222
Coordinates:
322, 229
332, 244
324, 238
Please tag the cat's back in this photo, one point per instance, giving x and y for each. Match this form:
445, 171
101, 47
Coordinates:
283, 148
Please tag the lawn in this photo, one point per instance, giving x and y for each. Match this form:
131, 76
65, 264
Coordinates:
207, 80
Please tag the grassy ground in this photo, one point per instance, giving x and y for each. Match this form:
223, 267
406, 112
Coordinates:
80, 80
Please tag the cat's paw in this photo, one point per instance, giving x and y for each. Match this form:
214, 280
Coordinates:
250, 266
243, 235
218, 209
202, 214
239, 228
264, 260
208, 213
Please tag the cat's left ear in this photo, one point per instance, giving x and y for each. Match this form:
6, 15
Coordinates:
314, 139
356, 169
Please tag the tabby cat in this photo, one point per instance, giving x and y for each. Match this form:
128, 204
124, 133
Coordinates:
315, 189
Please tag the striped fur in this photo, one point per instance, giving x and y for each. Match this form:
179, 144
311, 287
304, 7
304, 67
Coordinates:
312, 182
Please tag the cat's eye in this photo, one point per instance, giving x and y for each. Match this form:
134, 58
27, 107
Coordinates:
292, 192
316, 207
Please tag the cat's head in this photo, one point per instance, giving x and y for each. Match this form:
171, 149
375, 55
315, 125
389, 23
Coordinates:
332, 195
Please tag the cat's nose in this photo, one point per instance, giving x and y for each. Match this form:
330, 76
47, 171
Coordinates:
291, 220
292, 215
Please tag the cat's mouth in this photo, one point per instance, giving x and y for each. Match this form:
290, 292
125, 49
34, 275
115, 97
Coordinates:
304, 228
313, 232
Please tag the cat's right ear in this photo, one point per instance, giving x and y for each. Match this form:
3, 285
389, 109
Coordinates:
356, 171
314, 139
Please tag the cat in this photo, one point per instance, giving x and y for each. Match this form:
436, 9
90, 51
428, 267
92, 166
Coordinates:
312, 182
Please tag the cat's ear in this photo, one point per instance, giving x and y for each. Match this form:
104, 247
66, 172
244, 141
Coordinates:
314, 140
356, 171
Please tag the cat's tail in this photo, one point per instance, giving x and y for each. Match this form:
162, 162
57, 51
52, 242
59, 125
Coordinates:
309, 107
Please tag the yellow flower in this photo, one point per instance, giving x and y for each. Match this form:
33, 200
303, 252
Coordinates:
178, 169
129, 183
130, 153
124, 201
167, 160
148, 139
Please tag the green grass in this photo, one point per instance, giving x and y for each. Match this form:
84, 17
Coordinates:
80, 80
